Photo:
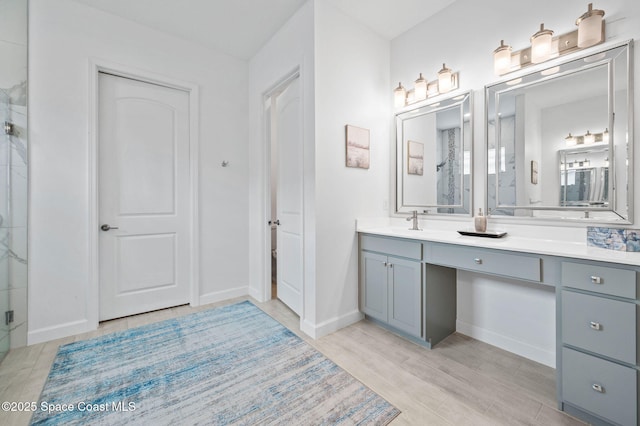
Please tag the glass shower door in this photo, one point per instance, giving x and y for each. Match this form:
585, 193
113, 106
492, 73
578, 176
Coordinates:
4, 230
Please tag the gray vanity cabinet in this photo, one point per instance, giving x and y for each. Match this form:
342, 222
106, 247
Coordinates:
409, 286
599, 346
392, 291
405, 294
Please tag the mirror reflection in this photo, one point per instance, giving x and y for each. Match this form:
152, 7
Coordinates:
433, 150
554, 149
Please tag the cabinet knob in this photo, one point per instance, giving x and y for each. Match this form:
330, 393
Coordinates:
595, 325
598, 388
391, 265
478, 261
596, 280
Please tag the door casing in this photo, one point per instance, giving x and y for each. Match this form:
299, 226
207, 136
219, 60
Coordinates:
272, 91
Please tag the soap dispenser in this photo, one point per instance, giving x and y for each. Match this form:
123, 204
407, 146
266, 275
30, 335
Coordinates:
480, 222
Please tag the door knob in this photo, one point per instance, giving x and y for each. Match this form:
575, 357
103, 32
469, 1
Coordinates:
106, 227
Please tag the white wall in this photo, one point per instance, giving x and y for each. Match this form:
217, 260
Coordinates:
464, 36
63, 37
352, 80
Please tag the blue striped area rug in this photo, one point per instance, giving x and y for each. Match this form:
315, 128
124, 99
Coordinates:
229, 365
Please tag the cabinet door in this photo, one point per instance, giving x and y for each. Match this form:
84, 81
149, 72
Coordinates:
405, 295
374, 285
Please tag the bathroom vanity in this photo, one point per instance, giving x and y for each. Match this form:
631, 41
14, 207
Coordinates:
408, 285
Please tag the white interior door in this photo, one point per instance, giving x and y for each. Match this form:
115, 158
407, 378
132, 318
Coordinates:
288, 129
144, 197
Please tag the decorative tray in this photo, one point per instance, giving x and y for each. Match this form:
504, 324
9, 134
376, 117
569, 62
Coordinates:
488, 234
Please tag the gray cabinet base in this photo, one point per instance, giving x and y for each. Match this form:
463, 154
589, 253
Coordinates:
400, 333
584, 416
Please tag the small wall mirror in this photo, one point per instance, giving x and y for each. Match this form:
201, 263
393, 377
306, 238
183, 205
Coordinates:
559, 141
433, 157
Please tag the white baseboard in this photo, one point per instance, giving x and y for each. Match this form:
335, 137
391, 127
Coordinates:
219, 296
316, 331
257, 294
59, 331
541, 355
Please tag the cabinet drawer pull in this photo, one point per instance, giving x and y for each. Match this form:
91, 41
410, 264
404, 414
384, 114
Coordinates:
595, 325
596, 280
598, 388
478, 261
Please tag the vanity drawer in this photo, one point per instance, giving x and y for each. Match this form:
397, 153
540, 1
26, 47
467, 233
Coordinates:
602, 387
604, 326
490, 262
392, 246
599, 279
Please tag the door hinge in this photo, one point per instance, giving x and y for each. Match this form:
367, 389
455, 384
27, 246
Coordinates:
8, 128
8, 317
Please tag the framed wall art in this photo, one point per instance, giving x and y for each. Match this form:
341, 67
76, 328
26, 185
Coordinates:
357, 142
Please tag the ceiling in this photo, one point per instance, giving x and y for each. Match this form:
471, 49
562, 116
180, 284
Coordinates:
241, 27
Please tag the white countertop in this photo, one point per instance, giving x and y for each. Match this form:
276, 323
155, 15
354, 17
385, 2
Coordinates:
441, 233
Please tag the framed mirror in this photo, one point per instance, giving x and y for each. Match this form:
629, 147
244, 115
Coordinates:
433, 157
559, 141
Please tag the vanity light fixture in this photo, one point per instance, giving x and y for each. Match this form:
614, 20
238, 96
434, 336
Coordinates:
545, 46
541, 45
423, 89
399, 96
606, 162
590, 28
420, 89
587, 139
445, 80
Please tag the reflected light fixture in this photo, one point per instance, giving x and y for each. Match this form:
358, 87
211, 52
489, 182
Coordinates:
444, 79
550, 71
502, 59
589, 138
605, 135
590, 29
399, 96
420, 89
541, 45
606, 162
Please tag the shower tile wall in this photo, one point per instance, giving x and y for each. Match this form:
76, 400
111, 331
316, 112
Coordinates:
13, 172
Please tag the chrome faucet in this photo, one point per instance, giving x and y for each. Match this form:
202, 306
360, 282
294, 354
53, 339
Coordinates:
414, 218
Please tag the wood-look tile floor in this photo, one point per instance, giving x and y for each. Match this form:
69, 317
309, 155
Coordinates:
460, 382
